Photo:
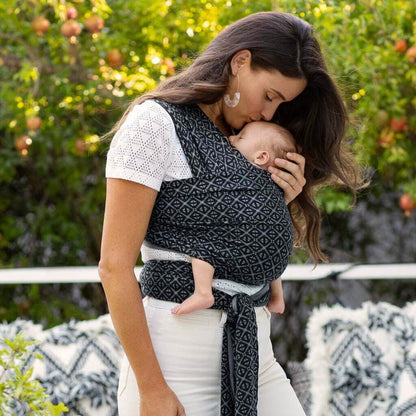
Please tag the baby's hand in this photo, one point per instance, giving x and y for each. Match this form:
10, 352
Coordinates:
276, 305
277, 302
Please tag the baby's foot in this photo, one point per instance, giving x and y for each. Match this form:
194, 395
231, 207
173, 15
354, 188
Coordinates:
193, 303
276, 305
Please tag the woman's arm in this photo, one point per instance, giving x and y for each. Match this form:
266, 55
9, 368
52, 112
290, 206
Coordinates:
127, 212
292, 181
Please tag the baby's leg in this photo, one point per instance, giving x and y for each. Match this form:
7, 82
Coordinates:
277, 302
202, 298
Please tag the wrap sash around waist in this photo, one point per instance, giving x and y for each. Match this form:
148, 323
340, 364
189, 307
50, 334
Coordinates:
172, 281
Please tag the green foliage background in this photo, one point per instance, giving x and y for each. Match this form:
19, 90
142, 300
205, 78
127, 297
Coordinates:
18, 390
52, 193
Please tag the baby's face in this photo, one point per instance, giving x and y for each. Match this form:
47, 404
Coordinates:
247, 142
256, 139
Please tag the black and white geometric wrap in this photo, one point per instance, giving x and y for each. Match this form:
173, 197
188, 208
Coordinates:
362, 361
232, 215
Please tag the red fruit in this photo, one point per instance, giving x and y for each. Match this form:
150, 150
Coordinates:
71, 12
411, 54
80, 146
406, 203
71, 28
114, 58
399, 125
94, 24
22, 143
33, 123
40, 25
400, 46
170, 65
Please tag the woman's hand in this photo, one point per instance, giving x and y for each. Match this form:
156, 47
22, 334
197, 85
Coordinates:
160, 402
277, 301
292, 181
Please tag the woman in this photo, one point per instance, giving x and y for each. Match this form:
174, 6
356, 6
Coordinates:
266, 66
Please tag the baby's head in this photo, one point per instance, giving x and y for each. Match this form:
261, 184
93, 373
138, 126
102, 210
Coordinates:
261, 142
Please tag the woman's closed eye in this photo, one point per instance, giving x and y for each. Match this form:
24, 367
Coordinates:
268, 98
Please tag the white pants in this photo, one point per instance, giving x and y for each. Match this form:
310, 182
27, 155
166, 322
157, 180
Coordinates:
188, 349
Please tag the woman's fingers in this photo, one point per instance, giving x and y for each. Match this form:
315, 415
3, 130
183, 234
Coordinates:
298, 159
296, 166
289, 178
289, 175
290, 192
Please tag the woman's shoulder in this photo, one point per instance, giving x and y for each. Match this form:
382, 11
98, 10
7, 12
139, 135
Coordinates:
146, 149
150, 109
146, 124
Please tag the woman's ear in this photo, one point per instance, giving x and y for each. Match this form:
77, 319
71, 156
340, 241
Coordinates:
240, 59
261, 157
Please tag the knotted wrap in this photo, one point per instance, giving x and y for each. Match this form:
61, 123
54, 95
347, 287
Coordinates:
233, 216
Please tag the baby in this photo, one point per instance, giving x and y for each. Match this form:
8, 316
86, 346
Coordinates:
260, 143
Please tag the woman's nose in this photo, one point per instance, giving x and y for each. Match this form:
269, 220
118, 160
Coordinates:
268, 112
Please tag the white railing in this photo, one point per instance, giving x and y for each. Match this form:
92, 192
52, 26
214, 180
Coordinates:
89, 274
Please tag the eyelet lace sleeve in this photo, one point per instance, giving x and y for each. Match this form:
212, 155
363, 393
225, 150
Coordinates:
145, 148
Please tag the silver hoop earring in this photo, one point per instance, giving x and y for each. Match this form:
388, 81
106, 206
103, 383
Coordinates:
233, 102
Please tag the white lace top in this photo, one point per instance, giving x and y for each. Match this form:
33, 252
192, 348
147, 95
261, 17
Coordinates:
147, 150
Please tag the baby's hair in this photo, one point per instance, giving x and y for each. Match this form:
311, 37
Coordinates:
273, 146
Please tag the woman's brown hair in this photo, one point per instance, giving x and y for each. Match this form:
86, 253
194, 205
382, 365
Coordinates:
317, 117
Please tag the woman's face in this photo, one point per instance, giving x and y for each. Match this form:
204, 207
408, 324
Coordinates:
261, 93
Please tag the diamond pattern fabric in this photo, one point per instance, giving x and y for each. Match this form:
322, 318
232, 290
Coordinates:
126, 159
232, 215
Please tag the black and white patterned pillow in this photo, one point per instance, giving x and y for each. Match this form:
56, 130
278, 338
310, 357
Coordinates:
80, 365
362, 361
300, 378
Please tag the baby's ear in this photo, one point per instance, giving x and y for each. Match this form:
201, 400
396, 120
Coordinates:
261, 157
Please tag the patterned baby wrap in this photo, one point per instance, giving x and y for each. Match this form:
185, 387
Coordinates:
232, 215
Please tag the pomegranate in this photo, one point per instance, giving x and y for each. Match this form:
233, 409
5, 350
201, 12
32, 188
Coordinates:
114, 58
40, 25
71, 28
94, 24
80, 146
406, 203
400, 46
170, 65
411, 54
33, 123
399, 125
71, 13
22, 143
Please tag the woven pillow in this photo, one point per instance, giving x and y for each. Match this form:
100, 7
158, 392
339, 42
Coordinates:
80, 363
363, 361
300, 378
